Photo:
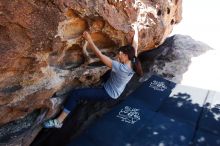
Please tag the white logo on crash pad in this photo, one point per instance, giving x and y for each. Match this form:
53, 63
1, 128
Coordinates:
159, 86
129, 115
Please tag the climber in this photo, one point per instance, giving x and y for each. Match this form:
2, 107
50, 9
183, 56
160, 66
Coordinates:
121, 73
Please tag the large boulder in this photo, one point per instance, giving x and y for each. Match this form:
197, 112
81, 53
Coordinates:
172, 59
41, 47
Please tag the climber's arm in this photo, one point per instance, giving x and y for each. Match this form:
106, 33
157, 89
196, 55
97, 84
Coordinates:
105, 59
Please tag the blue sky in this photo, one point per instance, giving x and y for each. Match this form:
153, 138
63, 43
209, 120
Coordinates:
201, 21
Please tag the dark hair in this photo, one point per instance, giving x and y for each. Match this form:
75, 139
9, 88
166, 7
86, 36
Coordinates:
129, 50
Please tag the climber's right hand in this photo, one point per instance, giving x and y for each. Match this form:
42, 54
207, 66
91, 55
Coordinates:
87, 36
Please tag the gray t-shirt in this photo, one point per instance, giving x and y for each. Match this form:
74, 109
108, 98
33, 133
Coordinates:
120, 76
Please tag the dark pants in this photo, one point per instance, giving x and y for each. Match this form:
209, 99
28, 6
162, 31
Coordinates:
89, 94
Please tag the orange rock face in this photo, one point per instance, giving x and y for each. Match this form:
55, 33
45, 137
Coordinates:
41, 45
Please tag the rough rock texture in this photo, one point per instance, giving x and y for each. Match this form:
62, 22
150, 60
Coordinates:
42, 53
